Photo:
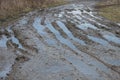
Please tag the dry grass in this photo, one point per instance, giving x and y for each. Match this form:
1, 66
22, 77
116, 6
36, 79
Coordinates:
112, 13
11, 9
105, 3
110, 10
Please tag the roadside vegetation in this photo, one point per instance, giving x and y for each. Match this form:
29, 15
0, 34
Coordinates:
110, 9
12, 9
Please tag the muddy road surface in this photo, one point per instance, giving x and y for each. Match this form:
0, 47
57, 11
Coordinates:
69, 42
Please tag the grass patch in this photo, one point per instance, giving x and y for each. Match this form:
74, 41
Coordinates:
111, 12
13, 9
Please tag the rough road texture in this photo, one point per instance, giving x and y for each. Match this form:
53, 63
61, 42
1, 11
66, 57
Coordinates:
69, 42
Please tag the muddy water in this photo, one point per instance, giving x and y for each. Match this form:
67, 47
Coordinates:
41, 30
60, 38
86, 53
98, 40
70, 35
3, 41
112, 38
86, 26
39, 27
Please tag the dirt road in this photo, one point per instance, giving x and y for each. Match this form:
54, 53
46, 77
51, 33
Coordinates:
69, 42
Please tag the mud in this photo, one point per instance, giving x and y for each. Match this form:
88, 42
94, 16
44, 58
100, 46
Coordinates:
68, 42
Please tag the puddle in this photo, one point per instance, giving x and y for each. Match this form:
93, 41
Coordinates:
60, 14
3, 41
16, 41
38, 27
92, 15
112, 38
112, 61
115, 62
69, 34
78, 17
13, 38
60, 38
93, 21
77, 7
85, 26
76, 12
98, 40
118, 24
